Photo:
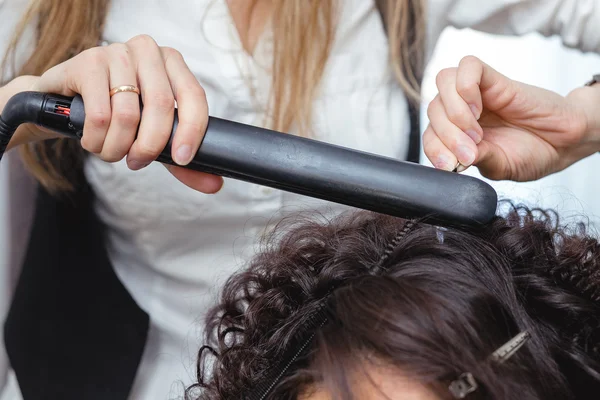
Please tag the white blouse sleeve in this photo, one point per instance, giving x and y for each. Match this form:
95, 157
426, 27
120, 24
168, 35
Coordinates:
576, 22
17, 193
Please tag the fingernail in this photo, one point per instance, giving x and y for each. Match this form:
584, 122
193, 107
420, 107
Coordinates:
475, 111
442, 162
136, 165
466, 156
461, 168
473, 135
183, 155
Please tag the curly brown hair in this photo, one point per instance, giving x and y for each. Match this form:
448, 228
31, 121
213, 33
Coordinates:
446, 300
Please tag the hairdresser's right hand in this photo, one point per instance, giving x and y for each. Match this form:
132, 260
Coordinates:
111, 124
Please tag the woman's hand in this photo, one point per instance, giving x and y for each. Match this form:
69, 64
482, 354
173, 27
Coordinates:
111, 124
508, 129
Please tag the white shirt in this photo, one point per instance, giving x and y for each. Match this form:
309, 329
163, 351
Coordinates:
173, 247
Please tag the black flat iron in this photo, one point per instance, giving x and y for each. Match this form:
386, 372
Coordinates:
293, 164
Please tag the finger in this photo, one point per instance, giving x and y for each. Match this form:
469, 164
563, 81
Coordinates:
478, 84
491, 164
192, 108
468, 80
439, 155
125, 106
87, 75
200, 181
159, 103
463, 148
457, 110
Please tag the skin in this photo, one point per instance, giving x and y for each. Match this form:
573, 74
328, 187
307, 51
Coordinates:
163, 77
508, 129
381, 384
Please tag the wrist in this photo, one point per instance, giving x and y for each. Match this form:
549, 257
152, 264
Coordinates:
586, 101
17, 85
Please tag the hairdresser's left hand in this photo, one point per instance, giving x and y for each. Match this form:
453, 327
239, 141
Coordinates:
508, 129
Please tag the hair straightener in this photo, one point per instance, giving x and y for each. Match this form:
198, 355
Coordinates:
293, 164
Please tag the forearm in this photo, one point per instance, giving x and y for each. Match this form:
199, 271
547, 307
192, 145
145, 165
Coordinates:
25, 133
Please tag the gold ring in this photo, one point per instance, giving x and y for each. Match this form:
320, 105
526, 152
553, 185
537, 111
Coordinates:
126, 88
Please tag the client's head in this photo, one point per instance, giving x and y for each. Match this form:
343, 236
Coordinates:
411, 309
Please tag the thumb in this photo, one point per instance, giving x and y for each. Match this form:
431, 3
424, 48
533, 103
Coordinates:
200, 181
492, 161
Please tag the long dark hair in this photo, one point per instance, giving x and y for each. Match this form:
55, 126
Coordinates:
447, 300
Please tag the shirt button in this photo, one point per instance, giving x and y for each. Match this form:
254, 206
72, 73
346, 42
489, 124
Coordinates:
267, 190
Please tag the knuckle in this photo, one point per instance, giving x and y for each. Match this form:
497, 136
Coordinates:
430, 112
453, 144
127, 117
427, 138
445, 75
195, 93
119, 48
163, 101
148, 150
171, 53
95, 56
427, 150
433, 107
457, 116
469, 60
464, 86
115, 154
194, 128
431, 153
98, 119
198, 90
143, 41
91, 145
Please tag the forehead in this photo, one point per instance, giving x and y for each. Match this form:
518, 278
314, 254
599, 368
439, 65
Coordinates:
375, 383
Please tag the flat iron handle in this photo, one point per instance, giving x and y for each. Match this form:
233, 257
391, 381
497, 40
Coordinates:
340, 175
294, 164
